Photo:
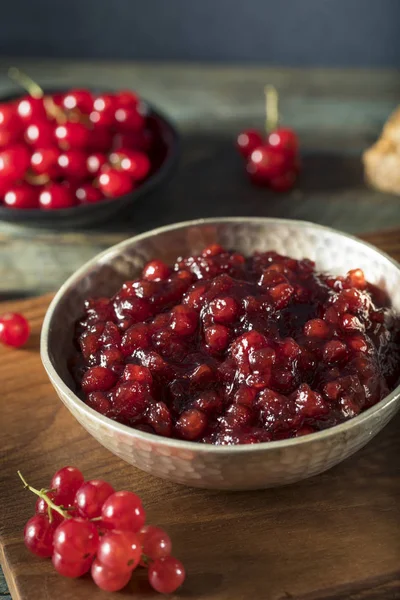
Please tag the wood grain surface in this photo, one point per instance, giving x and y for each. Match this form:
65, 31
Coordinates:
332, 537
337, 114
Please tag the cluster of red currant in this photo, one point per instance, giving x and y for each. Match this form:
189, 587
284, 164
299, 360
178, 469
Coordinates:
62, 150
87, 526
14, 330
273, 162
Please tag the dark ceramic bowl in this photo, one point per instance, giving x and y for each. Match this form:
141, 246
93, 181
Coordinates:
91, 214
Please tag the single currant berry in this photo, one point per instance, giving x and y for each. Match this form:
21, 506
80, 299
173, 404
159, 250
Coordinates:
123, 510
42, 508
126, 98
166, 574
88, 194
284, 139
115, 183
91, 496
156, 270
55, 196
80, 99
129, 118
38, 535
108, 579
94, 162
103, 111
247, 141
135, 163
39, 134
29, 109
119, 550
66, 482
284, 182
22, 196
266, 163
76, 539
156, 543
72, 135
14, 161
10, 125
72, 164
14, 330
71, 569
44, 161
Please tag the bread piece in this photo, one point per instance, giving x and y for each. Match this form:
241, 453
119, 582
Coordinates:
382, 160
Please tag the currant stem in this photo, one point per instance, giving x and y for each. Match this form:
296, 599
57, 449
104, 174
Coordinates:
271, 108
42, 494
26, 82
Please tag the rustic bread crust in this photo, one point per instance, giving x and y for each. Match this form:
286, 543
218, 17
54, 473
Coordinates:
382, 160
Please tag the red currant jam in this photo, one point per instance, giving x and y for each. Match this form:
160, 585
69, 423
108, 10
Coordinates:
224, 349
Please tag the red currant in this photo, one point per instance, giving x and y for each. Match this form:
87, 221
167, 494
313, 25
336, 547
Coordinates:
14, 161
135, 163
266, 163
156, 543
284, 139
44, 161
156, 270
115, 183
284, 182
119, 550
66, 482
107, 579
71, 569
76, 539
29, 108
100, 139
103, 110
42, 508
39, 133
247, 141
72, 135
129, 118
94, 162
91, 496
80, 99
166, 574
38, 535
72, 164
55, 196
10, 125
22, 196
14, 330
126, 98
124, 511
88, 194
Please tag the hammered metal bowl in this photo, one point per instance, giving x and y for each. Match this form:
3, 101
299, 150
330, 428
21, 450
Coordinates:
201, 465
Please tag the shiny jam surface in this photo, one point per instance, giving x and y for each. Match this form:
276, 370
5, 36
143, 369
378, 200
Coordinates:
224, 349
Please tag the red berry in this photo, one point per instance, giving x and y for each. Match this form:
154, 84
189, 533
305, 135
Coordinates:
39, 134
80, 99
42, 508
38, 535
22, 196
14, 330
156, 270
55, 196
14, 161
72, 135
119, 550
76, 539
137, 373
129, 118
91, 496
103, 110
266, 163
100, 139
166, 574
108, 579
156, 543
71, 569
94, 162
123, 510
88, 194
44, 161
98, 379
29, 108
284, 139
284, 182
126, 98
191, 425
217, 337
66, 482
10, 125
135, 163
247, 141
72, 164
115, 183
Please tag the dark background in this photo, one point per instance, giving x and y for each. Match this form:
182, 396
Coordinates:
280, 32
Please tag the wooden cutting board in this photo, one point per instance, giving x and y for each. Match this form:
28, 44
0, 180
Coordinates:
332, 537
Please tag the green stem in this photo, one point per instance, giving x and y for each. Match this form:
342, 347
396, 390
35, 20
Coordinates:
26, 82
271, 108
42, 494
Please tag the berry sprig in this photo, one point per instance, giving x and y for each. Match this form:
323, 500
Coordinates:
63, 150
272, 162
88, 526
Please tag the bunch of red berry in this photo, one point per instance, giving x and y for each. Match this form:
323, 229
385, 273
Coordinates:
273, 162
87, 526
14, 329
62, 150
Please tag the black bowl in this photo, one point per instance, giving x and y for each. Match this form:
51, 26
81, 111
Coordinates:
93, 214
